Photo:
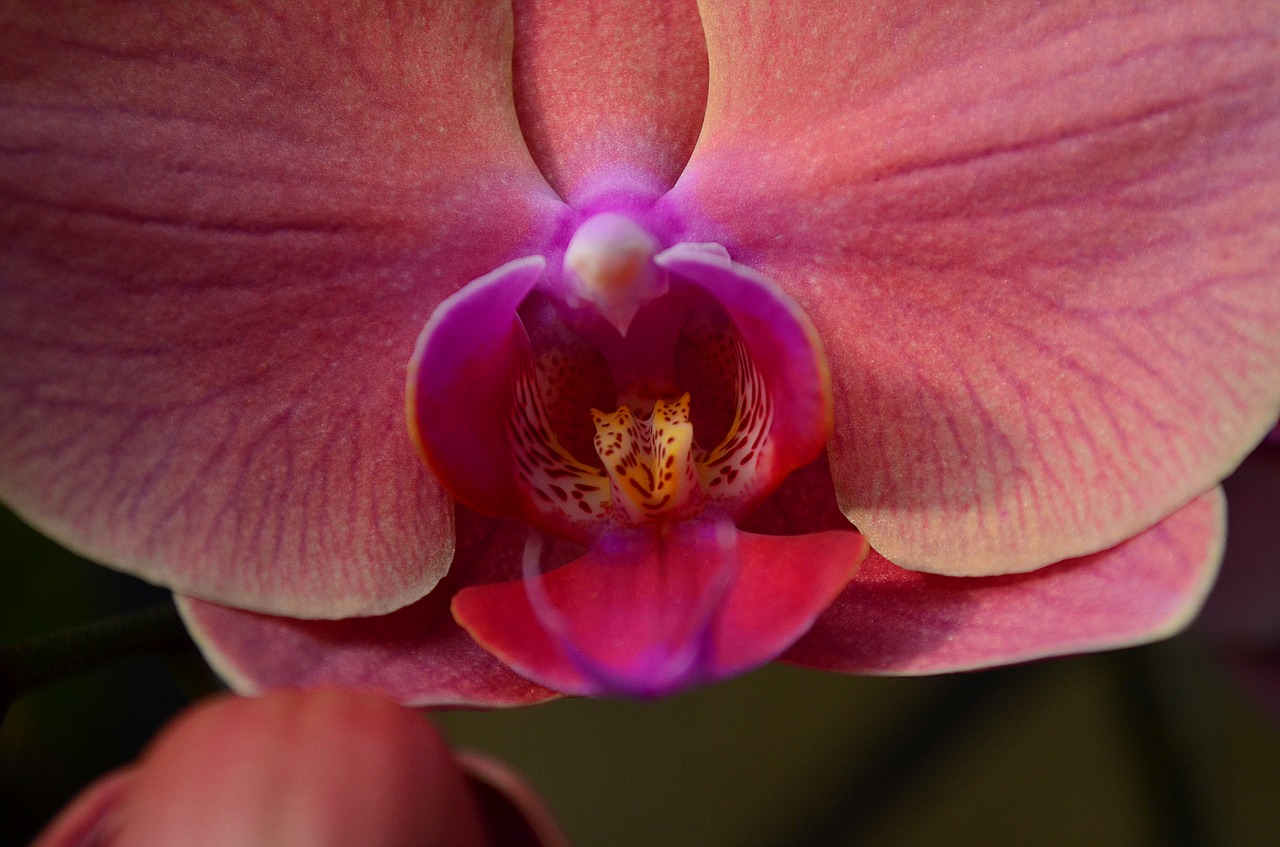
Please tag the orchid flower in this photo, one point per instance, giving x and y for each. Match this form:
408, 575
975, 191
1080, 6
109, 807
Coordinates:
675, 297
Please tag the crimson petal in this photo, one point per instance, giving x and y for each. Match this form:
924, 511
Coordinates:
649, 613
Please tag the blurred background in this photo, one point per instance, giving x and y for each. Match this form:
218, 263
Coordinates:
1157, 745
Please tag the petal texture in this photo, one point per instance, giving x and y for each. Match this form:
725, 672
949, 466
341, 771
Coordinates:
416, 655
1041, 248
610, 90
894, 621
223, 227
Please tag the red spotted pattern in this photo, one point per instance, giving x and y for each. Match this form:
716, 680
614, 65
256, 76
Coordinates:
736, 472
652, 466
650, 462
556, 484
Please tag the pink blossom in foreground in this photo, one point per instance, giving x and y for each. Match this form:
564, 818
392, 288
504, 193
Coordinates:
294, 768
678, 303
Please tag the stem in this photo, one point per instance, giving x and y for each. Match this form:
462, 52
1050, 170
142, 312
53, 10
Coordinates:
874, 783
1169, 723
29, 664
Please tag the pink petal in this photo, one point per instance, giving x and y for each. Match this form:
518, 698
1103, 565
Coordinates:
894, 621
514, 814
87, 821
1041, 248
646, 614
223, 229
609, 91
320, 769
460, 392
416, 655
460, 382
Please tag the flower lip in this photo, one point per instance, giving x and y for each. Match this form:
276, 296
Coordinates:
645, 614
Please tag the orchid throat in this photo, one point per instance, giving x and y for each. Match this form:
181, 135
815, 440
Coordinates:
633, 396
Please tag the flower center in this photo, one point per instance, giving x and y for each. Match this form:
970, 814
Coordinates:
683, 350
720, 391
653, 468
649, 462
715, 377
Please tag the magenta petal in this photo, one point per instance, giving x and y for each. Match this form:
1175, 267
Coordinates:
894, 621
1041, 246
782, 342
223, 226
649, 613
417, 655
462, 387
461, 379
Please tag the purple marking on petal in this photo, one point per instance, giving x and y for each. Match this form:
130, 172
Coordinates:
223, 227
1044, 265
668, 658
651, 612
